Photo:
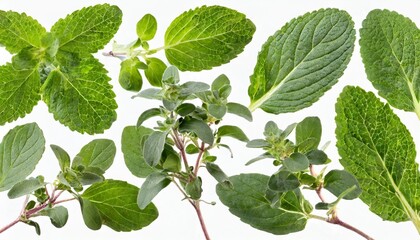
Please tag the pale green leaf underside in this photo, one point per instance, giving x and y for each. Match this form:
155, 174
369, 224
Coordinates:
79, 94
207, 37
20, 151
19, 92
390, 48
379, 151
302, 61
117, 203
247, 201
88, 29
98, 153
18, 31
132, 142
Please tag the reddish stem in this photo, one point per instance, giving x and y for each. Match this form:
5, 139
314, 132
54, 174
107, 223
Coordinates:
200, 217
198, 161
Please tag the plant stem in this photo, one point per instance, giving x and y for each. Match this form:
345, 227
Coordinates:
336, 220
200, 217
198, 162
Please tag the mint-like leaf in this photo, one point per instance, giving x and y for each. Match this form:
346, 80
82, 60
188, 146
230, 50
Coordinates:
301, 61
19, 31
395, 40
79, 94
379, 151
247, 201
117, 204
207, 37
98, 153
146, 27
20, 151
88, 29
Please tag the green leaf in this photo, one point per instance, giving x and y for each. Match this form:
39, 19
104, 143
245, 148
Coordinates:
99, 153
379, 151
26, 187
62, 157
170, 75
218, 174
308, 133
79, 94
296, 162
130, 78
146, 27
395, 40
18, 31
338, 181
185, 109
117, 204
317, 157
153, 147
87, 30
301, 61
19, 87
151, 93
153, 112
283, 181
91, 214
271, 130
207, 37
233, 132
217, 110
200, 128
35, 225
239, 110
220, 82
154, 71
193, 189
153, 184
20, 151
190, 88
192, 149
261, 157
132, 145
58, 215
257, 143
247, 201
171, 159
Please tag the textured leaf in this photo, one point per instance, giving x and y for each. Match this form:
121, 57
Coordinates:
117, 205
20, 151
91, 215
153, 184
79, 94
19, 89
98, 153
301, 61
153, 147
200, 128
247, 201
379, 151
207, 37
132, 144
87, 30
25, 187
58, 215
395, 40
146, 27
130, 78
283, 181
233, 132
18, 31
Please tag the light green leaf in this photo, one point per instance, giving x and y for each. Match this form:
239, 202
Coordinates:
117, 204
247, 201
153, 184
395, 40
146, 27
338, 181
296, 162
150, 93
87, 30
62, 156
207, 37
132, 145
200, 128
98, 153
170, 75
18, 31
149, 113
154, 71
283, 181
79, 94
19, 87
153, 147
240, 110
20, 151
220, 82
301, 61
233, 132
58, 215
379, 151
129, 77
91, 214
26, 187
308, 134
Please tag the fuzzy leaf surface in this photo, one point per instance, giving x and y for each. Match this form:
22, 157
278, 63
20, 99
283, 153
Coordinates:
98, 153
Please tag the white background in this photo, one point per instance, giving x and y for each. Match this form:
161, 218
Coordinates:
177, 219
